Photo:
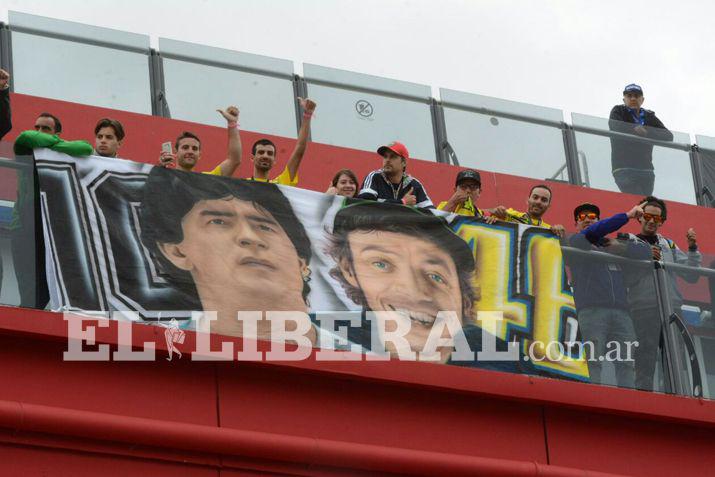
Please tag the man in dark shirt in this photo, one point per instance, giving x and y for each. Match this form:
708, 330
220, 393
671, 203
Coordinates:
600, 291
391, 183
5, 114
631, 159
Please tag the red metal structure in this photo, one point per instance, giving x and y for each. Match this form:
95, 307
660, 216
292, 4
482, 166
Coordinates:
323, 418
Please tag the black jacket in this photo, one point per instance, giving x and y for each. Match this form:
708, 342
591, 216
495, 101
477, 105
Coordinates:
5, 114
377, 187
634, 154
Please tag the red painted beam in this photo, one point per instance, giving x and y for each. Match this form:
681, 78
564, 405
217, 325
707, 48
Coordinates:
24, 417
521, 388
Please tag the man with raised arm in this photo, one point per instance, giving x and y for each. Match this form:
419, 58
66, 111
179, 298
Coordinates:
641, 294
188, 148
392, 183
600, 289
264, 152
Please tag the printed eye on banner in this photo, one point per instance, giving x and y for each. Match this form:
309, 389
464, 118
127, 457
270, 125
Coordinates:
364, 109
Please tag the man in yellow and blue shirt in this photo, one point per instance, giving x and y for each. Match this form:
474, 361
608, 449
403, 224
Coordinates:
467, 189
538, 203
264, 152
188, 148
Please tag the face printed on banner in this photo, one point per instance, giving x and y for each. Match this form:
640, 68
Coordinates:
235, 248
407, 275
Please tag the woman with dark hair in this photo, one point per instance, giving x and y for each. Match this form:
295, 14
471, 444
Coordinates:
237, 245
344, 183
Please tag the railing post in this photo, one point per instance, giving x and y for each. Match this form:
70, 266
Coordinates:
697, 168
571, 152
6, 52
439, 130
672, 368
159, 104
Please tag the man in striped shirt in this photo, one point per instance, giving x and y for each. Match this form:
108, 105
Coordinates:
392, 183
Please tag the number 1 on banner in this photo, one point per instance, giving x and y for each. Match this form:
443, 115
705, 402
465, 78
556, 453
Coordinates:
545, 277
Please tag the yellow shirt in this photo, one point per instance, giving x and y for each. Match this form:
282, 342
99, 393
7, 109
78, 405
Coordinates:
216, 171
513, 215
283, 179
466, 208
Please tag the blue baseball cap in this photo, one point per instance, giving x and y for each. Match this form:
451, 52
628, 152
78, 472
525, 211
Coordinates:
633, 88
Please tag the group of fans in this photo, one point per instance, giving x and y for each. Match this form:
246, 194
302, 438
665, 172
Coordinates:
612, 306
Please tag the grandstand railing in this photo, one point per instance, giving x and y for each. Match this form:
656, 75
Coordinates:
685, 362
82, 63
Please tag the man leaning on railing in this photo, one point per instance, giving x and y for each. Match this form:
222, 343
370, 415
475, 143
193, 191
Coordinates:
632, 160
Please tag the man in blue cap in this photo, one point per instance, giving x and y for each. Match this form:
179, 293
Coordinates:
632, 160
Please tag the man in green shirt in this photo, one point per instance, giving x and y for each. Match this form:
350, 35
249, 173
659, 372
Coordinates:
28, 251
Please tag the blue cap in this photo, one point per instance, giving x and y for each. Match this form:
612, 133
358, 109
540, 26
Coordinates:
633, 88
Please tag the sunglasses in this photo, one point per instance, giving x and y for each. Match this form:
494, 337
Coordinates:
655, 218
587, 215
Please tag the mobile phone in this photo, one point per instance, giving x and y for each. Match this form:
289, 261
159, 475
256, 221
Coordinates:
166, 147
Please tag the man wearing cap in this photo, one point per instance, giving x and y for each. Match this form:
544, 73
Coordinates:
391, 183
632, 160
600, 291
467, 189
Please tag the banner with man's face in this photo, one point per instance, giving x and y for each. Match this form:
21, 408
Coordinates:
406, 282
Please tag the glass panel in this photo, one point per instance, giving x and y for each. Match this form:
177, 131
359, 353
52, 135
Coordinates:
615, 294
498, 144
239, 59
471, 100
672, 169
22, 283
267, 103
81, 73
692, 295
24, 21
348, 116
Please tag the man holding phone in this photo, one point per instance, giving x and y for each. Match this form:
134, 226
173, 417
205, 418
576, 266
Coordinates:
641, 296
188, 148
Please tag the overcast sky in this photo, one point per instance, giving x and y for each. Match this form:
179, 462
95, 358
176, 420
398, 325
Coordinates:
575, 55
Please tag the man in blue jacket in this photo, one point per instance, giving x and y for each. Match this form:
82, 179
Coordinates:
600, 292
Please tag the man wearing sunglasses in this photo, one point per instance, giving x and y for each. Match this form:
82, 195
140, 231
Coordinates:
641, 292
600, 291
467, 189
